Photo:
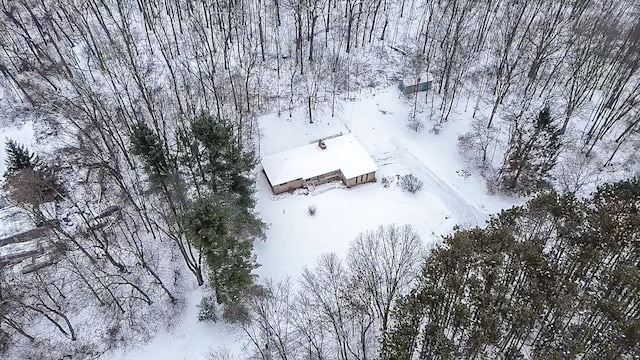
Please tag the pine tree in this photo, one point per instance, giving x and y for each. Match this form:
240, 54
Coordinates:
217, 217
148, 145
18, 157
400, 343
220, 220
554, 278
213, 145
533, 150
165, 180
220, 229
30, 181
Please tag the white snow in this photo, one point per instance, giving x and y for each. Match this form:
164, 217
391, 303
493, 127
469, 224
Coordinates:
188, 340
294, 239
344, 153
14, 220
410, 79
18, 249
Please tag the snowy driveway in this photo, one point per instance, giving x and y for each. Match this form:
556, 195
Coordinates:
466, 215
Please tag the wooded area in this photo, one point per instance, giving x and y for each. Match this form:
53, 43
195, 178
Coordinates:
154, 103
555, 278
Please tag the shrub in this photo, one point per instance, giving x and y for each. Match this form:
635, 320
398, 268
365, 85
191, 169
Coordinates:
114, 335
414, 123
207, 309
312, 210
220, 354
411, 183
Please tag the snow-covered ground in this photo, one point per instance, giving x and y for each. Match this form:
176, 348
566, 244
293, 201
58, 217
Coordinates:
452, 195
296, 239
187, 340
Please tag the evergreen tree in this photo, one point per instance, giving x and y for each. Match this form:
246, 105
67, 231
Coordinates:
557, 277
211, 150
18, 157
533, 150
221, 221
224, 235
29, 181
400, 343
214, 212
164, 180
148, 145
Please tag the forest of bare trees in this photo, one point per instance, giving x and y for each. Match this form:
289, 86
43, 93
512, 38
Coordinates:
132, 89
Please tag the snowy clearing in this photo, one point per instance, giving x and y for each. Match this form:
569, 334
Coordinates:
295, 239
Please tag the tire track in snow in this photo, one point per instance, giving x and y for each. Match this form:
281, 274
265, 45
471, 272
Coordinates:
466, 214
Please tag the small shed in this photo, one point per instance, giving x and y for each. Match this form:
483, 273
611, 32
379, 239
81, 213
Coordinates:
411, 84
340, 158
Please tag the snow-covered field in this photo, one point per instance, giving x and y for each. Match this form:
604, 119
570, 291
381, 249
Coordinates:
452, 195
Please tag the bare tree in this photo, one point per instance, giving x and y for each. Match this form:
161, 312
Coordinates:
270, 323
386, 262
324, 286
480, 143
510, 42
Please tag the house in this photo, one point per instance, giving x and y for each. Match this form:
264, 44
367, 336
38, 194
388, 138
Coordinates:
331, 159
411, 84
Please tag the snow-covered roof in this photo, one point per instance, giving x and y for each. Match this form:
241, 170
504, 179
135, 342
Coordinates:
13, 221
19, 250
344, 153
410, 79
